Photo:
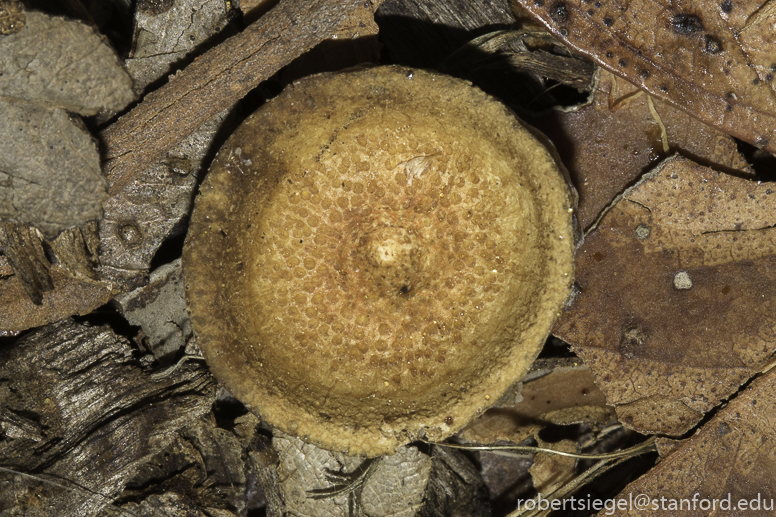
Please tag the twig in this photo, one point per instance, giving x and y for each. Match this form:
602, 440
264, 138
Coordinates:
214, 82
642, 448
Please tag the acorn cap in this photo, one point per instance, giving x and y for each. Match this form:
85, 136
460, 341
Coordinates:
376, 256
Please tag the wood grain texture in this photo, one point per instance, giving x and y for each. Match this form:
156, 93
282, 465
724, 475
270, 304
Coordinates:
214, 82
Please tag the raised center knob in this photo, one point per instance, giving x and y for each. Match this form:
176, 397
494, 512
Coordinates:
394, 257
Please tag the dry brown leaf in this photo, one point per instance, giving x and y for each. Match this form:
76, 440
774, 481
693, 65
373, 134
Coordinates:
607, 144
564, 396
731, 458
62, 64
715, 60
551, 471
675, 303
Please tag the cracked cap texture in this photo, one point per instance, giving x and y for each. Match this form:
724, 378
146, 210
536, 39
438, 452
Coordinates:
376, 256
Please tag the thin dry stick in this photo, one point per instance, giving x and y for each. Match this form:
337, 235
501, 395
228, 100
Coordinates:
608, 461
642, 448
214, 82
78, 488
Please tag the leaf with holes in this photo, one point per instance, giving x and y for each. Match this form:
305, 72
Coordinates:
728, 463
714, 59
674, 309
621, 134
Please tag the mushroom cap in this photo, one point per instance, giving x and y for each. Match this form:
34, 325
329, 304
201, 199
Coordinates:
376, 256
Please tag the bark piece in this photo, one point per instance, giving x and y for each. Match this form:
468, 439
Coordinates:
729, 460
201, 471
49, 168
160, 308
141, 217
162, 40
62, 64
214, 82
608, 143
23, 245
354, 42
675, 303
73, 395
715, 60
70, 268
455, 487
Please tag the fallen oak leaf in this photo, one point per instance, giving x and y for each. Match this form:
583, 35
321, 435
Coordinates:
608, 143
707, 58
675, 295
564, 396
729, 460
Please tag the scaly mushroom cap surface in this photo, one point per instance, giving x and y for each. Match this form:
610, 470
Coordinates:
376, 256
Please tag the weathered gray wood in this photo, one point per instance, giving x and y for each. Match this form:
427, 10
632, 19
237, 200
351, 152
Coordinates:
78, 410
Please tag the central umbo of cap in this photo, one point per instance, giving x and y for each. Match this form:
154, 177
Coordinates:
376, 256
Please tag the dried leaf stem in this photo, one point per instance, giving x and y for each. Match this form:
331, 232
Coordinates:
642, 448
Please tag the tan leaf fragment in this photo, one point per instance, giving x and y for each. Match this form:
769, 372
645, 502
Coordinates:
564, 396
675, 304
715, 60
728, 462
551, 471
607, 144
62, 64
